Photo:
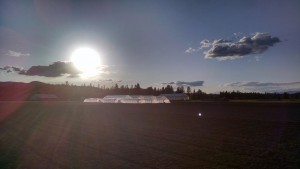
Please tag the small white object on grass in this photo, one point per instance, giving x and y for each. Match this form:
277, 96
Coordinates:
199, 114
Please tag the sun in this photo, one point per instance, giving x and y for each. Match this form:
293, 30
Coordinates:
86, 60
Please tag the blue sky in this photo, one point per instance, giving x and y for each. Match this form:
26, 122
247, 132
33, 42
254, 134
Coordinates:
149, 41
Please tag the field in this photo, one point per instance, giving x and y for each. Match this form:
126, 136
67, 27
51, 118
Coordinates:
75, 135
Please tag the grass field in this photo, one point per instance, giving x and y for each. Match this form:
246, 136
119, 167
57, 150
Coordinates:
75, 135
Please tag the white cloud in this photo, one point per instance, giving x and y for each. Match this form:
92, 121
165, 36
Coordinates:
16, 54
191, 50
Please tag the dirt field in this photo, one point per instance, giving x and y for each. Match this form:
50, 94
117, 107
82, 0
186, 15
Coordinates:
36, 135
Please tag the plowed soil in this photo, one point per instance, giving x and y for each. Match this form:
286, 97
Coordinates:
227, 135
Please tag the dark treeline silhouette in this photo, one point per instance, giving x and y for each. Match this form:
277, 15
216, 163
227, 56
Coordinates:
24, 91
234, 95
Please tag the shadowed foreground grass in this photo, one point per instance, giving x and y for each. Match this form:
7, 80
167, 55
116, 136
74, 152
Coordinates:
75, 135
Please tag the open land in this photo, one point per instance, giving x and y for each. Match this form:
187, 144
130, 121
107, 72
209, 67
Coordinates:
76, 135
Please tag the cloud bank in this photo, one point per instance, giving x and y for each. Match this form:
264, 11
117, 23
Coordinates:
16, 54
110, 80
54, 70
9, 69
182, 83
264, 87
223, 49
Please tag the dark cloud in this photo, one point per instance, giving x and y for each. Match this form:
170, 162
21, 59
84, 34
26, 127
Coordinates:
227, 49
260, 84
168, 83
182, 83
54, 70
9, 69
264, 87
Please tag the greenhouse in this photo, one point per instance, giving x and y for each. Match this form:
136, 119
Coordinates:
162, 99
134, 99
91, 100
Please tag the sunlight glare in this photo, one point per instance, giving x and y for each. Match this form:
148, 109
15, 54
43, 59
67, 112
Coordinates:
87, 61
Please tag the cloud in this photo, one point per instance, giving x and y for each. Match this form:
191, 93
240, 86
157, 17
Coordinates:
261, 84
10, 69
205, 44
16, 54
106, 80
264, 86
110, 80
223, 49
54, 70
182, 83
191, 50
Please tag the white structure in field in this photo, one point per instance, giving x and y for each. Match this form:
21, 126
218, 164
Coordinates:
176, 96
134, 99
92, 100
114, 98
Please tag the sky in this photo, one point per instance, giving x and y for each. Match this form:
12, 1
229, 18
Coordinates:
250, 45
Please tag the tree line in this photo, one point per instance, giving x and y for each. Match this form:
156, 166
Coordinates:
67, 91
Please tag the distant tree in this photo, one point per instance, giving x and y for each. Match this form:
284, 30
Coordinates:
137, 86
116, 86
163, 90
169, 89
180, 89
149, 91
188, 89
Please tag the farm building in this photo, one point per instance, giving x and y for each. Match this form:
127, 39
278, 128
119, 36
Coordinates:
129, 101
176, 96
91, 100
142, 99
134, 99
37, 97
114, 98
162, 99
